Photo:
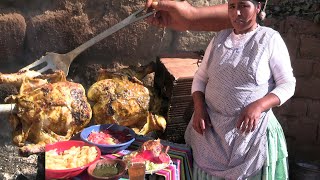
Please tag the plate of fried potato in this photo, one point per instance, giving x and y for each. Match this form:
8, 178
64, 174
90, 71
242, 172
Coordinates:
67, 159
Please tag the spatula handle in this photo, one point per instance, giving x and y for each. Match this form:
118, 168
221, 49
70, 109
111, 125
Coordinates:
7, 108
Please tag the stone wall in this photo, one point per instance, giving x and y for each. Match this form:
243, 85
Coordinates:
298, 23
29, 29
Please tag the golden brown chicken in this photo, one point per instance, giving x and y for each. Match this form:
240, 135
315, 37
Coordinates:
119, 101
49, 109
120, 97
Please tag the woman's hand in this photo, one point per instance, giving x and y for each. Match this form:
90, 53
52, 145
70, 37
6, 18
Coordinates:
249, 118
172, 14
201, 120
201, 117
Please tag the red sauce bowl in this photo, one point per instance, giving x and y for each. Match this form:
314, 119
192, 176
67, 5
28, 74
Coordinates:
112, 148
72, 172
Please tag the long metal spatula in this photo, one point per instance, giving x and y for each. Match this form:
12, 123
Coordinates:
55, 61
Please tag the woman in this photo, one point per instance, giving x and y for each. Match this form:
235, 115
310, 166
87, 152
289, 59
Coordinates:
245, 72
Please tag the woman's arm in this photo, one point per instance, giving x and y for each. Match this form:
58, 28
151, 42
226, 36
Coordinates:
250, 116
210, 18
281, 69
182, 16
201, 117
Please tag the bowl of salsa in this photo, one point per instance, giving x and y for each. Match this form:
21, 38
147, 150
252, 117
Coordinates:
109, 138
111, 169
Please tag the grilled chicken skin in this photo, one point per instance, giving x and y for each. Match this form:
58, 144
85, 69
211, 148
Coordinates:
48, 110
119, 101
121, 97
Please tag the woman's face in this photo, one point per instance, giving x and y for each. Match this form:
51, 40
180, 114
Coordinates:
243, 15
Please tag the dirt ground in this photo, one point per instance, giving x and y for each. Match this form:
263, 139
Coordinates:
13, 166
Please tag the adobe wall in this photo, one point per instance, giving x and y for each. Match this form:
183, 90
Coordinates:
29, 29
298, 23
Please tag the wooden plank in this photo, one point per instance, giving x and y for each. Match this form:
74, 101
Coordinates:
180, 68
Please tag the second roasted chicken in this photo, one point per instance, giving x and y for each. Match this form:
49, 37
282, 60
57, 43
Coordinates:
121, 98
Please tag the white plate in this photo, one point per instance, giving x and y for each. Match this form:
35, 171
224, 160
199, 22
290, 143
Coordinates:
151, 171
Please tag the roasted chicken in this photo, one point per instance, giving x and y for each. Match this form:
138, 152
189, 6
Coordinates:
49, 109
152, 153
154, 146
119, 101
121, 97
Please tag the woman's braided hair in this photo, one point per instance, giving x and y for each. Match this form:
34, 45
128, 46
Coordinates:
262, 13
